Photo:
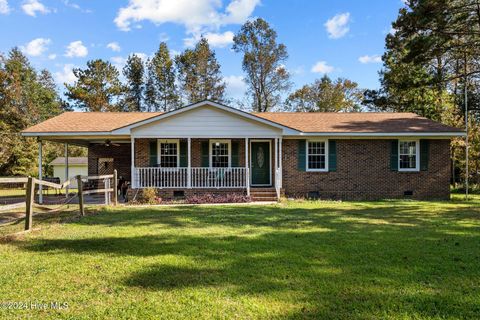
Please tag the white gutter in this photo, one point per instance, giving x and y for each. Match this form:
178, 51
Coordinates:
381, 134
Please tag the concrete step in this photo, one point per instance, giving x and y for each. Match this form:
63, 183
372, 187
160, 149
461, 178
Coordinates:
262, 189
264, 199
263, 194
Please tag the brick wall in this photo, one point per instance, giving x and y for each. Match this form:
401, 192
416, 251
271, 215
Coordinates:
363, 173
121, 158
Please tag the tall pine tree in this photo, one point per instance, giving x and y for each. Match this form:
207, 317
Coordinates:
199, 74
97, 87
134, 73
161, 88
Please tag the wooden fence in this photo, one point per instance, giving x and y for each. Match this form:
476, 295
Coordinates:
30, 183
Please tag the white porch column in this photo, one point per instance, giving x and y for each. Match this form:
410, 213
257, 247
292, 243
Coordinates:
189, 166
247, 167
66, 169
132, 169
280, 164
276, 160
40, 195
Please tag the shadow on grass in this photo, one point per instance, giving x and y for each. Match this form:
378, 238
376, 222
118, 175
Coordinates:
371, 260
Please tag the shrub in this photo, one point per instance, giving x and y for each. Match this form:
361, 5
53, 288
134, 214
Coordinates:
149, 195
223, 198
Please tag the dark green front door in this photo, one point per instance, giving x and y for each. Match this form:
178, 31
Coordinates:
260, 163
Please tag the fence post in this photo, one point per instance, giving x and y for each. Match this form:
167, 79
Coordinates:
30, 192
115, 188
80, 194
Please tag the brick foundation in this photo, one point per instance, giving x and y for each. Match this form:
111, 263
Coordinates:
167, 194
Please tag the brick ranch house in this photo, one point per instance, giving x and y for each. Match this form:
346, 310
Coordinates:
208, 147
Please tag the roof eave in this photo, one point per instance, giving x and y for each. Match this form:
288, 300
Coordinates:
386, 134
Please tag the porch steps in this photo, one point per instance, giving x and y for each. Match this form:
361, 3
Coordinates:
263, 194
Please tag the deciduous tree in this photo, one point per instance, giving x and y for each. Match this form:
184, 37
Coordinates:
325, 95
263, 59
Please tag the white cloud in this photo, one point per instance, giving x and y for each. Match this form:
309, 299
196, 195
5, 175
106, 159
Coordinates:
370, 59
141, 55
218, 40
66, 75
118, 60
76, 49
31, 7
36, 47
196, 16
4, 8
75, 6
337, 26
52, 56
322, 67
236, 87
114, 46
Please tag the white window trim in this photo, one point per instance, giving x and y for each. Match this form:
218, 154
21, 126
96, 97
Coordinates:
417, 156
159, 142
210, 149
326, 155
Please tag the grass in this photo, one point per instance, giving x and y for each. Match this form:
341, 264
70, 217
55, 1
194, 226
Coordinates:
319, 260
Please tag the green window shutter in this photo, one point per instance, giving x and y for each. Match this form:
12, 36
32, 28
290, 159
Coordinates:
183, 154
394, 155
424, 154
332, 155
153, 161
301, 161
205, 156
235, 162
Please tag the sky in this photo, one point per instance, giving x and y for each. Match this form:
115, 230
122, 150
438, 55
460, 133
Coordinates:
341, 38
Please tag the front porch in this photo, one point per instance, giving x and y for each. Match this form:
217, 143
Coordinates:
194, 164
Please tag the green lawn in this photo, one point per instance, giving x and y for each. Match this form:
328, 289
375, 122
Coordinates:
319, 260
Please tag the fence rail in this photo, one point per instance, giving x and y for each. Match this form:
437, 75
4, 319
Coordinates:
102, 186
195, 177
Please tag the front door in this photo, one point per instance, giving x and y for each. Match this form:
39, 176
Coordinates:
260, 163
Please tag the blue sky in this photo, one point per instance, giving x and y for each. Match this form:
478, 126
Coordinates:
342, 38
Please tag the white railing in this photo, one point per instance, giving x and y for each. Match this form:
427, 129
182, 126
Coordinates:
152, 177
219, 178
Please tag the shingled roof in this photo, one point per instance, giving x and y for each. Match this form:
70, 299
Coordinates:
360, 122
90, 121
356, 122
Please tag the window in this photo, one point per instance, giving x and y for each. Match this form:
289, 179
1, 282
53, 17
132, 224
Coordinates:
220, 153
168, 153
408, 155
317, 156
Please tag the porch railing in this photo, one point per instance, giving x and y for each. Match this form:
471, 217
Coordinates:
195, 177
